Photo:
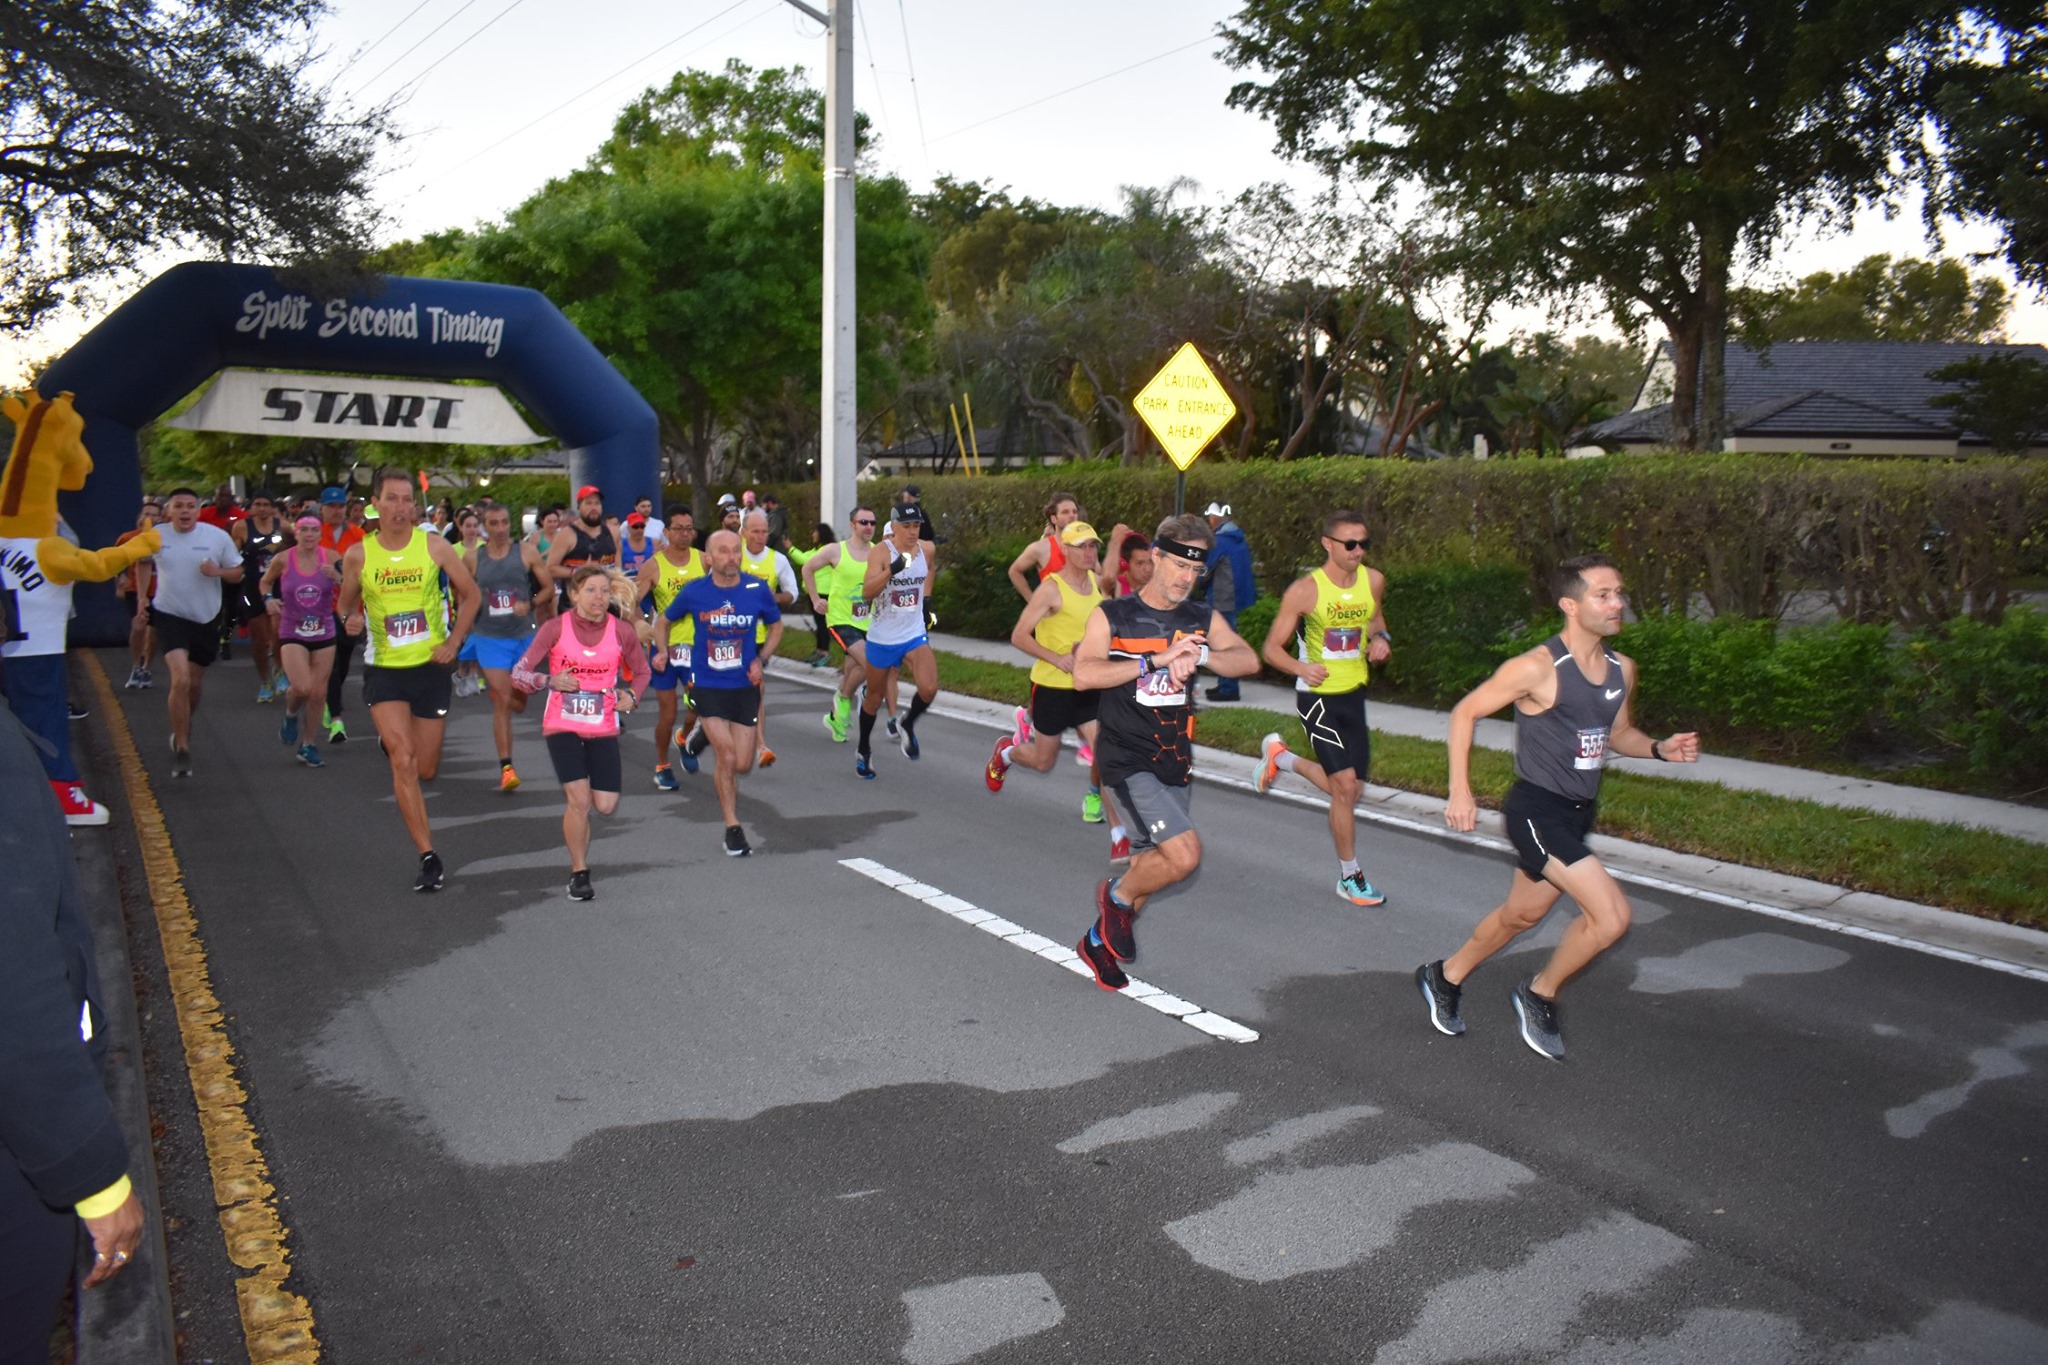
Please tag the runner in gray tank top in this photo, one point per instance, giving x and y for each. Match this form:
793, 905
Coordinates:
507, 573
1571, 696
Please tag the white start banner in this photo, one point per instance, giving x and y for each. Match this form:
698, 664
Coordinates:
343, 407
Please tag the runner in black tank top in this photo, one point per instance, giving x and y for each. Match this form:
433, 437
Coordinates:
1571, 696
1141, 653
259, 547
584, 540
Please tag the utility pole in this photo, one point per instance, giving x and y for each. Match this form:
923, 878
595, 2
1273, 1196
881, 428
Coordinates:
838, 460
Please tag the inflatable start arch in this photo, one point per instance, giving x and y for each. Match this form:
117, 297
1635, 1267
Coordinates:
199, 318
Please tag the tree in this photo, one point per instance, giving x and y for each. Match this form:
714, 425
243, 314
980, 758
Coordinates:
133, 127
1879, 299
1558, 389
1631, 150
1992, 108
2001, 396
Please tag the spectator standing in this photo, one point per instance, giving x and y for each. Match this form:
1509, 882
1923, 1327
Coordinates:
1231, 585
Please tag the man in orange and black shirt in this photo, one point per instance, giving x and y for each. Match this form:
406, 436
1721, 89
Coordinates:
337, 534
1141, 653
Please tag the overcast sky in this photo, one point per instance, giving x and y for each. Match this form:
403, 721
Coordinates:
1063, 100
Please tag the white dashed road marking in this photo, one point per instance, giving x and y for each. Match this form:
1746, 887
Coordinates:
1187, 1011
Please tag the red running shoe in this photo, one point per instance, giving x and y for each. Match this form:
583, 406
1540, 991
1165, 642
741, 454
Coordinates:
1108, 975
998, 765
1114, 923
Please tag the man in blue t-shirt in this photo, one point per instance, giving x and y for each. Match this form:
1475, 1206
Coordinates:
726, 668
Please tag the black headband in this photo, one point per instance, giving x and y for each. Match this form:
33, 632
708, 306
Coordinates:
1193, 554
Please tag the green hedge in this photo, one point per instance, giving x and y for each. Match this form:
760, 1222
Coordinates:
1735, 535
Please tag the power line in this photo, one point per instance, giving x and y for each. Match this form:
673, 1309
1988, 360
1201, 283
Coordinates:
416, 46
363, 52
1096, 80
860, 12
599, 85
458, 47
910, 66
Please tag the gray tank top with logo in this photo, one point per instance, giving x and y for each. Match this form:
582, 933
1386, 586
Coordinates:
500, 583
1564, 749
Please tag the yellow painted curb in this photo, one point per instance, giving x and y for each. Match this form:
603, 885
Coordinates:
276, 1323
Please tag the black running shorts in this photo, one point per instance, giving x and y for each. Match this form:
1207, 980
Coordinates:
199, 639
740, 705
1336, 729
595, 761
1543, 825
1056, 710
847, 636
427, 688
1154, 811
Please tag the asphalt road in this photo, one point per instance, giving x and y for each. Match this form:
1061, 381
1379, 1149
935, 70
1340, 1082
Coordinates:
777, 1109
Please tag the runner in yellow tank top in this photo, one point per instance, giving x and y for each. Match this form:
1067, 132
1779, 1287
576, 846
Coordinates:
391, 597
661, 577
1336, 617
1049, 630
772, 567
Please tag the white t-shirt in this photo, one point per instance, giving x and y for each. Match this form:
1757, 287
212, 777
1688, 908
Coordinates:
42, 609
181, 589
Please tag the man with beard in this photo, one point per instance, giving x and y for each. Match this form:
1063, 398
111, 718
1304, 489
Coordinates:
586, 540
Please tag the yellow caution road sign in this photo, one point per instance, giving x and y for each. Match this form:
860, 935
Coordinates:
1185, 406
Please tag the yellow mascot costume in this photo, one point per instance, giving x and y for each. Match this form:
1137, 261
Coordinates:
37, 568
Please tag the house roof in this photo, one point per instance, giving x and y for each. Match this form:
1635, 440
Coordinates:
1843, 389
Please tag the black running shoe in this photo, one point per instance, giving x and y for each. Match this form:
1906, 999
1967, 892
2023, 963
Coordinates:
736, 842
1102, 962
1115, 924
700, 739
181, 763
432, 874
1538, 1018
1441, 997
580, 888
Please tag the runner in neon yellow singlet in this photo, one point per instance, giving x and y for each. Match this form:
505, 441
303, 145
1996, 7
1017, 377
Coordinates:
661, 577
847, 612
771, 566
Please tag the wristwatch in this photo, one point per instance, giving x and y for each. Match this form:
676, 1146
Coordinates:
1382, 635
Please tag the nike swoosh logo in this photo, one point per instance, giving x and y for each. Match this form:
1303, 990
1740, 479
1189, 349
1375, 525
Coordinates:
1615, 693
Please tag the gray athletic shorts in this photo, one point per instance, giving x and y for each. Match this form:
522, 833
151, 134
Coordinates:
1153, 811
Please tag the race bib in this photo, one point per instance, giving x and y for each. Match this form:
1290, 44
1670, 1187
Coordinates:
499, 603
679, 655
904, 599
1341, 642
861, 608
725, 654
1158, 688
313, 627
403, 628
583, 705
1592, 749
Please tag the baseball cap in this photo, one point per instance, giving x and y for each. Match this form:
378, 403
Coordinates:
589, 490
1078, 533
1218, 509
636, 518
726, 499
903, 511
332, 494
913, 490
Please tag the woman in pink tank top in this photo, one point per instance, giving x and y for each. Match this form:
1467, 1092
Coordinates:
299, 588
594, 668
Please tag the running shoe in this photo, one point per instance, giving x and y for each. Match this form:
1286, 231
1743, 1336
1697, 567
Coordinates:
1356, 889
310, 756
736, 842
834, 726
134, 682
580, 888
145, 680
1091, 808
683, 733
998, 765
687, 759
1270, 749
906, 741
78, 712
1114, 923
432, 874
1538, 1018
818, 660
1441, 997
1120, 849
508, 778
289, 731
665, 779
1085, 755
1020, 734
337, 733
766, 759
263, 693
700, 740
863, 767
1100, 961
181, 762
893, 726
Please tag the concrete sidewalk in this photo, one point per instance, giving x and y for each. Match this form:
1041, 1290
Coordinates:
1736, 774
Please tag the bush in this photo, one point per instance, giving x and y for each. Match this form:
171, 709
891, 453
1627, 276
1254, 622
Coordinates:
1980, 693
973, 596
1452, 625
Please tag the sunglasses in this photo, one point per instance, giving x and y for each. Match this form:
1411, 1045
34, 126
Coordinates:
1365, 544
864, 521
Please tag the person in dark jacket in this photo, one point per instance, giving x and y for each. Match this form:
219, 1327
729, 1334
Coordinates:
62, 1156
1231, 585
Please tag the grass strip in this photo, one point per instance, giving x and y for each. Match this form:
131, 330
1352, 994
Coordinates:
1978, 872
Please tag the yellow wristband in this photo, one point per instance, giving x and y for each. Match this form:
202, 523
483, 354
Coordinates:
106, 1201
